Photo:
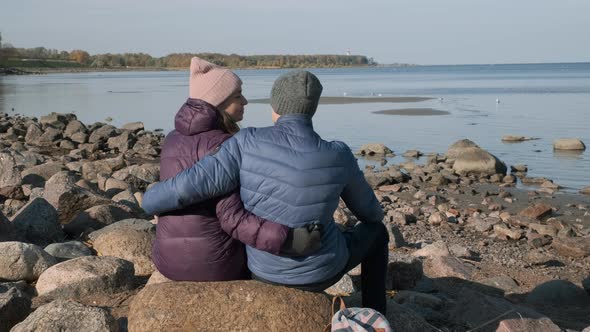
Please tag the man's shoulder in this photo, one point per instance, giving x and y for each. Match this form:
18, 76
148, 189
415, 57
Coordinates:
338, 146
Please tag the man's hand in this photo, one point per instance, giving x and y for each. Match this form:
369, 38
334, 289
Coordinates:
303, 241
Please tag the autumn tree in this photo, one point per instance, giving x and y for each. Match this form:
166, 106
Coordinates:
81, 57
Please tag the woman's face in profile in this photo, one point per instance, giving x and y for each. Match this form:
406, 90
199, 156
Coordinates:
234, 106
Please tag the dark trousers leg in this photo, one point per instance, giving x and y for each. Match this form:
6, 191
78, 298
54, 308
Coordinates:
368, 245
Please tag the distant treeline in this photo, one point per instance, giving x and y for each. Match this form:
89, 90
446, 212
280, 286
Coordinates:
13, 56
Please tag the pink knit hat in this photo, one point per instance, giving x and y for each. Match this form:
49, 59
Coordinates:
211, 83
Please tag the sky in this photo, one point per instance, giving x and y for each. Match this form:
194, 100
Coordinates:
390, 31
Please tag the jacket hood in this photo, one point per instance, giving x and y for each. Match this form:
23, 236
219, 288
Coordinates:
195, 116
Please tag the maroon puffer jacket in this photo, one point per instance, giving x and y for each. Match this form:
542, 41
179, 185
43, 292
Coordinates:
193, 243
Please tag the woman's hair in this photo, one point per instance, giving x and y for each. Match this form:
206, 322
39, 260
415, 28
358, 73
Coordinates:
226, 123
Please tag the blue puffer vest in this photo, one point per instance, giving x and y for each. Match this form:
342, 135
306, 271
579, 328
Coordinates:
287, 174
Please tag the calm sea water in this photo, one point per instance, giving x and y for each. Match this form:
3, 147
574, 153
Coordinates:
548, 101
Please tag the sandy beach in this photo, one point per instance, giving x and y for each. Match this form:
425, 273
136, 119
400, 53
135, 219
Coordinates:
413, 112
355, 100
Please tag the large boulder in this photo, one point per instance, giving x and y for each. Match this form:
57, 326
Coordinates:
96, 218
61, 315
558, 293
123, 142
23, 261
15, 305
130, 239
9, 173
227, 306
569, 144
471, 159
37, 223
83, 276
103, 133
74, 127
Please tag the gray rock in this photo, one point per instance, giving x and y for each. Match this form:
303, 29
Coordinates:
15, 306
7, 232
9, 173
123, 142
23, 261
83, 276
80, 138
107, 166
131, 240
436, 249
57, 120
37, 175
37, 223
448, 266
50, 137
146, 146
139, 176
68, 250
96, 218
374, 149
126, 197
133, 126
569, 144
504, 283
67, 316
471, 159
558, 293
60, 183
74, 127
523, 324
344, 286
103, 134
33, 134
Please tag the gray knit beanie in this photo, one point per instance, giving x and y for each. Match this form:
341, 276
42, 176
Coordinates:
296, 92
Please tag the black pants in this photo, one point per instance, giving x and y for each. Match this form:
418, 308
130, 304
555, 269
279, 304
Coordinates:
367, 245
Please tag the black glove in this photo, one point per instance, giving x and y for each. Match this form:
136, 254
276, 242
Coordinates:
302, 241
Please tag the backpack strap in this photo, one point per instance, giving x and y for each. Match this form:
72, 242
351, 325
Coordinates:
328, 328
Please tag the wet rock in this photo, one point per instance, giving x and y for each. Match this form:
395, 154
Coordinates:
96, 218
374, 149
512, 138
64, 315
37, 223
84, 276
528, 325
15, 306
195, 305
447, 266
471, 159
403, 272
130, 240
23, 261
413, 154
572, 247
569, 144
558, 293
68, 250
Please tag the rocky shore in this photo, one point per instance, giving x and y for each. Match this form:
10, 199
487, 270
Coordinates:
469, 251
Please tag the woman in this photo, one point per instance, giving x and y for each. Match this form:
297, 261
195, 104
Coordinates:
193, 243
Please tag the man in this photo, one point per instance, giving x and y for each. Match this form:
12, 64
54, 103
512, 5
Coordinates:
288, 174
